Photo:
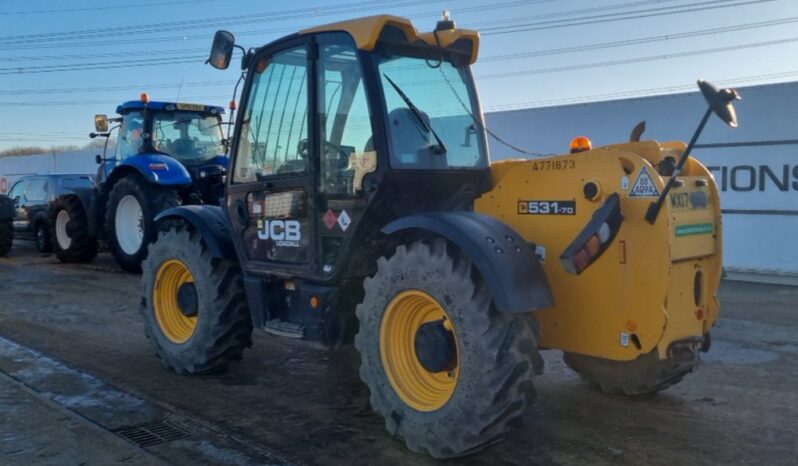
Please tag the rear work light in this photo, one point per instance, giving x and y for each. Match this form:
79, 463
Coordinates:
595, 238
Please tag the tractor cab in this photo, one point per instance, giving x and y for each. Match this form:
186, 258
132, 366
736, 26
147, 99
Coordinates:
173, 142
354, 117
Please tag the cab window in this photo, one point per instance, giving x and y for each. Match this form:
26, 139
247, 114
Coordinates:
274, 132
131, 136
347, 147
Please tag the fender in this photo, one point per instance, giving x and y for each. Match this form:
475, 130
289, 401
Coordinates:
158, 169
210, 221
507, 263
7, 210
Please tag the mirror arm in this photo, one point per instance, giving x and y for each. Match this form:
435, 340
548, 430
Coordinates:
655, 207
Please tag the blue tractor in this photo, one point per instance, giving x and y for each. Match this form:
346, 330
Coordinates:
167, 154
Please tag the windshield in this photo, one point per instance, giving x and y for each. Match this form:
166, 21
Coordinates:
444, 99
188, 136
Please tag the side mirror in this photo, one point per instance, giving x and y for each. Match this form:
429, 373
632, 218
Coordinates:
720, 101
101, 123
222, 50
98, 158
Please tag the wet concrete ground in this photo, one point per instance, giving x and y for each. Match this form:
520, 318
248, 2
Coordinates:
75, 366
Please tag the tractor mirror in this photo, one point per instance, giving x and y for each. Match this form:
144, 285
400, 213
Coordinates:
720, 101
222, 50
98, 159
101, 123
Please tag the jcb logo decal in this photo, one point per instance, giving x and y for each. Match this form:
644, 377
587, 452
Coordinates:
284, 233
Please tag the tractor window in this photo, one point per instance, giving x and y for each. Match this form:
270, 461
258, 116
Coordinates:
131, 136
347, 152
187, 136
445, 96
274, 133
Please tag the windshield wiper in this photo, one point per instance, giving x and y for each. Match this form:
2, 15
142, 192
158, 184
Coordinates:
440, 149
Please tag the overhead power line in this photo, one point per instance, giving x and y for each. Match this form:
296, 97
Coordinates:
635, 60
101, 7
650, 92
623, 16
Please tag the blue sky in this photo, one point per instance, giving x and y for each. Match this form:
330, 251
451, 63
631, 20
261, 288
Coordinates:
63, 62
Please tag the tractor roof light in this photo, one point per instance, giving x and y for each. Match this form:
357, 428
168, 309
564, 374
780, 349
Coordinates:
595, 238
145, 97
580, 144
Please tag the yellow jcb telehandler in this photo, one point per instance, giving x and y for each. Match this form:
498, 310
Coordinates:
361, 207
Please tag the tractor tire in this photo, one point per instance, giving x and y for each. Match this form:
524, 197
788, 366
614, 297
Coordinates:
6, 236
69, 231
461, 403
41, 234
194, 306
645, 375
132, 207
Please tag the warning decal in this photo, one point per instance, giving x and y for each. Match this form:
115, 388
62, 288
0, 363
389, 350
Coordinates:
644, 186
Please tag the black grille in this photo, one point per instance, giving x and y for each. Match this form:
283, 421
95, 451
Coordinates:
154, 433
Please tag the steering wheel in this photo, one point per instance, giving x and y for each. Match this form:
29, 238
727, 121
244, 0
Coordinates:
303, 149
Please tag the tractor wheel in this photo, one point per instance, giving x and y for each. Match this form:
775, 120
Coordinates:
44, 242
69, 229
6, 236
131, 210
642, 376
194, 305
449, 372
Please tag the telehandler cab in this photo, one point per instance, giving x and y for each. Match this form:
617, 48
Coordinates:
361, 207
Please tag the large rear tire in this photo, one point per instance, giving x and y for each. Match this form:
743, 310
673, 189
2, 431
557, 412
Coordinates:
194, 306
69, 231
642, 376
130, 218
449, 372
6, 236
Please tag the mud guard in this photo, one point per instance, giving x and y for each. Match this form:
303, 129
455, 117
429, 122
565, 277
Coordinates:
507, 263
157, 168
210, 221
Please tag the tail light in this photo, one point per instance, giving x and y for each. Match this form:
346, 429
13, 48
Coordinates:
595, 238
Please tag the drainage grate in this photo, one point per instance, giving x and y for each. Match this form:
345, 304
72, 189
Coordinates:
154, 433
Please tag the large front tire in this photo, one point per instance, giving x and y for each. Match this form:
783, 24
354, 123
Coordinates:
194, 305
6, 236
130, 218
645, 375
69, 231
423, 299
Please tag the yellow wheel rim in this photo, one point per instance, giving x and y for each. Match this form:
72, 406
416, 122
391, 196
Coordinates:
171, 275
416, 386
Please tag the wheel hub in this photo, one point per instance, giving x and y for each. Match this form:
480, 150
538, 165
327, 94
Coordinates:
435, 347
187, 299
419, 350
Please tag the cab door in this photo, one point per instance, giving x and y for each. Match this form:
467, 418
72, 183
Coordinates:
346, 147
271, 191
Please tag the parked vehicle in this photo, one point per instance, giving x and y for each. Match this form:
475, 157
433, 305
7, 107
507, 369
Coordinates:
167, 154
34, 196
